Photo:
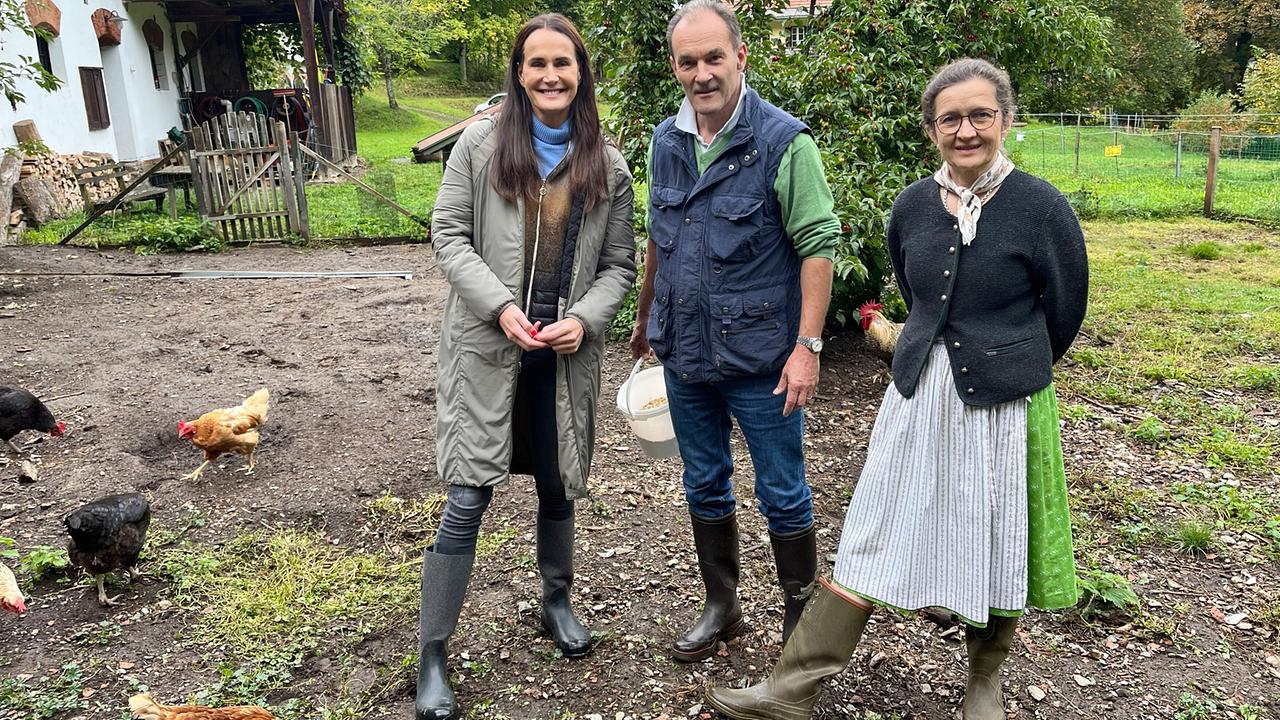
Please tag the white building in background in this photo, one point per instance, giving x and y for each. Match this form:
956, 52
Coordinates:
119, 92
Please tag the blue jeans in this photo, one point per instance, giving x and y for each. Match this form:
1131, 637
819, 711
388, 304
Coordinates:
700, 414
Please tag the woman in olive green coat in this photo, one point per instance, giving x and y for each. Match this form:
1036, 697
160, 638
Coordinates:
532, 228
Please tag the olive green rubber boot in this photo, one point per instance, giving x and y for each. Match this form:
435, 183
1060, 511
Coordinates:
988, 647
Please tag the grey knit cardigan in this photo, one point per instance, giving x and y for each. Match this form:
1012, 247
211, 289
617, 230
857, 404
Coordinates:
1008, 306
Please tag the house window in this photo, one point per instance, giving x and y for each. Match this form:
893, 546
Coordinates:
95, 98
46, 58
796, 35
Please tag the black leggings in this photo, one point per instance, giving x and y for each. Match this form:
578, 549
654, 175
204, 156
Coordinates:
465, 506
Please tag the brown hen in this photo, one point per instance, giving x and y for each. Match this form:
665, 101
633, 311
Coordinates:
228, 430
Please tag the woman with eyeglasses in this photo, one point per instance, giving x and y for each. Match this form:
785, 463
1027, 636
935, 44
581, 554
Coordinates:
962, 502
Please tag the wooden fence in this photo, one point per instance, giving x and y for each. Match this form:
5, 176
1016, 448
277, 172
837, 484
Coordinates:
248, 178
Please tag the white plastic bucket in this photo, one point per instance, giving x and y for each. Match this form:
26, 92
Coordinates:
652, 426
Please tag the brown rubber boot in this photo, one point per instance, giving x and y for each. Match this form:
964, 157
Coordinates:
716, 542
988, 647
819, 648
796, 556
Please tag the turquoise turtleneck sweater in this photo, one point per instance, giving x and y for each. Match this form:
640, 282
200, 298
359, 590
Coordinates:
550, 144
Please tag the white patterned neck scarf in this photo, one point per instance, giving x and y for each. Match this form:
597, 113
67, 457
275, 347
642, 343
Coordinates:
972, 197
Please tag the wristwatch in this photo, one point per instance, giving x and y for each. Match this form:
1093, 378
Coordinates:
813, 343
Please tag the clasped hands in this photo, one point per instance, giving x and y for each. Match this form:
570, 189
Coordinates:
564, 336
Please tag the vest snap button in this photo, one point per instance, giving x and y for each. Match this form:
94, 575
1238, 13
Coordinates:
944, 298
956, 344
969, 391
687, 221
946, 273
951, 249
964, 371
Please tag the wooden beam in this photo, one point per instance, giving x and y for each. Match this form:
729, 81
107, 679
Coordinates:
110, 204
307, 29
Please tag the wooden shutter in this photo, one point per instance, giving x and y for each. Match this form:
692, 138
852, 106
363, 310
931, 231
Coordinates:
95, 98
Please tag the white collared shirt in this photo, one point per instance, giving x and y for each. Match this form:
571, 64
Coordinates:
687, 119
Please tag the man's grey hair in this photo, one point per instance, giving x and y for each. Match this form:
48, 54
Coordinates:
696, 6
961, 71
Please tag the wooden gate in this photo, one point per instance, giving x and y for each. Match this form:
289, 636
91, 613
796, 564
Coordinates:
248, 178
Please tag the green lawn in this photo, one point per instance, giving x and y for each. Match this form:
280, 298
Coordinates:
1147, 180
1183, 334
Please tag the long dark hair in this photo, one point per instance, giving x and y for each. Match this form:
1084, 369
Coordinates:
515, 167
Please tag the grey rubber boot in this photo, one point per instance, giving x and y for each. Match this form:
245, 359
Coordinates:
555, 561
796, 556
819, 648
444, 586
987, 647
716, 543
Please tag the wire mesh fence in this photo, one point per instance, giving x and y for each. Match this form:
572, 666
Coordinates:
1141, 166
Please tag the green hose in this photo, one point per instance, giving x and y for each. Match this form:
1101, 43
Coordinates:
255, 105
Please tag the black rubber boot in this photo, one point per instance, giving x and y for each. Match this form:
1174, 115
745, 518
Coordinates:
555, 561
444, 586
716, 542
796, 556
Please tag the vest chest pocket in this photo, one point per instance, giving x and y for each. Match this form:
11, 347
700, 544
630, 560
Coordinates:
735, 222
666, 215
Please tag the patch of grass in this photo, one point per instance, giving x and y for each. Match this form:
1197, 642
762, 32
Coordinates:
1194, 536
1262, 378
417, 519
283, 593
1111, 496
1207, 250
1236, 508
1170, 336
1075, 413
45, 697
490, 543
183, 234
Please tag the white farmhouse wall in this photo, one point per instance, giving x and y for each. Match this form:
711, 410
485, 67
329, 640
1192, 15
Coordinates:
140, 114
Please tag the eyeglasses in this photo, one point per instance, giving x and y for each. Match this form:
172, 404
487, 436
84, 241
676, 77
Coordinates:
980, 119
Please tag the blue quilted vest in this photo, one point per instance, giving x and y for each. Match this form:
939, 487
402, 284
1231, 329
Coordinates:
727, 290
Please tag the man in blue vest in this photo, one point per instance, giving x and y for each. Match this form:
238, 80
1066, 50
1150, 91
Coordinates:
737, 281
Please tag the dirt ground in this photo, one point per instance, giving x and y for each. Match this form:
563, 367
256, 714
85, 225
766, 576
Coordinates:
350, 363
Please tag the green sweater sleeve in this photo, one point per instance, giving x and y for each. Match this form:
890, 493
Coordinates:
808, 210
648, 180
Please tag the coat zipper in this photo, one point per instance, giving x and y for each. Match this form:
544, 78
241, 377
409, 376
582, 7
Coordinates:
537, 238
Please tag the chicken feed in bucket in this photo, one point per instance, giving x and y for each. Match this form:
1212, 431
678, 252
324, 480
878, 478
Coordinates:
643, 400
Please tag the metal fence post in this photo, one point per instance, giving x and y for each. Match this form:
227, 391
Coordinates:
1177, 159
1062, 135
1077, 143
1211, 175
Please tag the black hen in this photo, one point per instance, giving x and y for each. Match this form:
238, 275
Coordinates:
107, 535
20, 410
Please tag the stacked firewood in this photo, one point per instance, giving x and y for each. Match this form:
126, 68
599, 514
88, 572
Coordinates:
58, 173
38, 188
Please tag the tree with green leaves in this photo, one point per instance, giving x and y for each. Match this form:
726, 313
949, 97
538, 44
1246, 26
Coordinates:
1227, 31
1261, 91
401, 34
856, 81
1151, 55
13, 16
